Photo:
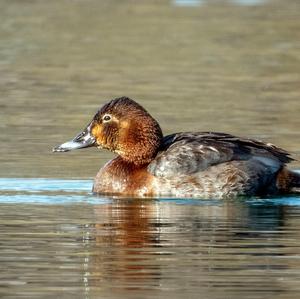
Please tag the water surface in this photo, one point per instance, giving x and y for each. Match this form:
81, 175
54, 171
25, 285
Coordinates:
67, 243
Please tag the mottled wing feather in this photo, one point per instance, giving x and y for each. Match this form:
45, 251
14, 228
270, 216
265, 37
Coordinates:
187, 153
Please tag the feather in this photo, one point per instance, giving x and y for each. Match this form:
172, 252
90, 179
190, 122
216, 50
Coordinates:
187, 153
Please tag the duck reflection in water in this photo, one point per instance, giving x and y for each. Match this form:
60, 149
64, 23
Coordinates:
144, 242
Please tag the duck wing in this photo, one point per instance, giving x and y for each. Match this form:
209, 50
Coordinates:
188, 153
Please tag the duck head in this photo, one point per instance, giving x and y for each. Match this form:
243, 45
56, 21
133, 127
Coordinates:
123, 127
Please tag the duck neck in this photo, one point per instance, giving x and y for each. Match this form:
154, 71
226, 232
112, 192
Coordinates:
142, 143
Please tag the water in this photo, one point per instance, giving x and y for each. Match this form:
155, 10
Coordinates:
202, 2
59, 241
230, 66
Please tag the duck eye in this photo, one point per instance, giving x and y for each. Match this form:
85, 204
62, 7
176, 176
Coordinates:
106, 118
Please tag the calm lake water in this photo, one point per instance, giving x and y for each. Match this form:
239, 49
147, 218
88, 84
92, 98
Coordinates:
230, 66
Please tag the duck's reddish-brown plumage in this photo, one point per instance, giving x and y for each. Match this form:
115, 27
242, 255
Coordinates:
203, 164
120, 177
132, 133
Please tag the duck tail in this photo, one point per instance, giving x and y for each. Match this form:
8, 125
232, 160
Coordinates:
288, 181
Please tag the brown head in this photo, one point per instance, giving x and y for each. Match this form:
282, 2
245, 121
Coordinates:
124, 127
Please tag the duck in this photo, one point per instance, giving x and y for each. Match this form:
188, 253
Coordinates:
179, 165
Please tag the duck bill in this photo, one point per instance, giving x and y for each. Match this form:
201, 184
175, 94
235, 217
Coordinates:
82, 140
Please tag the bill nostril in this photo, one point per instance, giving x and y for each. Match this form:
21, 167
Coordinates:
80, 136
